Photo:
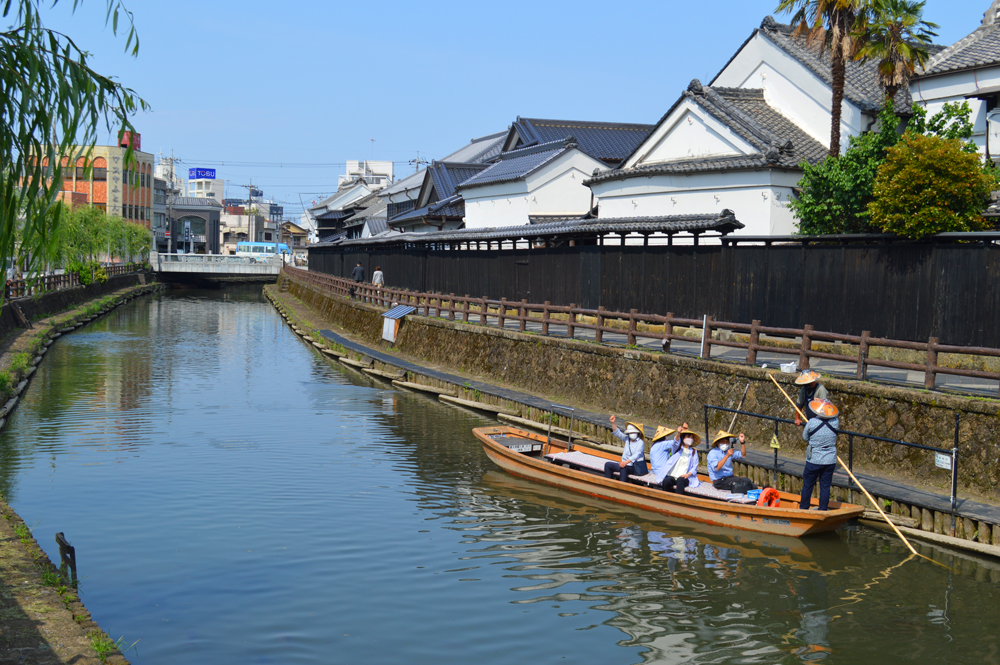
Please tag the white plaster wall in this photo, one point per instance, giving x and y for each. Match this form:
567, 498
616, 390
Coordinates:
556, 188
693, 133
759, 198
935, 92
792, 89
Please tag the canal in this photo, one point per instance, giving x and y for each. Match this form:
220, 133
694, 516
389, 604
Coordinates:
235, 498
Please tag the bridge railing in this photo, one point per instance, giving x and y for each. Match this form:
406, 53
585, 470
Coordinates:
217, 259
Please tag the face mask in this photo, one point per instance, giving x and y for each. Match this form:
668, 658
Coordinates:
724, 447
688, 441
633, 436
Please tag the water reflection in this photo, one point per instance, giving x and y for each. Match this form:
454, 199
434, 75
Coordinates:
236, 498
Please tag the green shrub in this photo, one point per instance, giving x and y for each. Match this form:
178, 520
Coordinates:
930, 184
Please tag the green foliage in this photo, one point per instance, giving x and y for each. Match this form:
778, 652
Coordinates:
52, 102
6, 382
105, 646
953, 121
893, 33
89, 272
929, 184
20, 363
836, 192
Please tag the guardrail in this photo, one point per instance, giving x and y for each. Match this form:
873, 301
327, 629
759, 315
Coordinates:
950, 453
465, 308
20, 288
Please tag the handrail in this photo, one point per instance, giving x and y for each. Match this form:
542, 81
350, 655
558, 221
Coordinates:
21, 288
636, 325
952, 452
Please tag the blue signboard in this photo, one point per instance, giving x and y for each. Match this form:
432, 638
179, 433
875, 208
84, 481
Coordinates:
200, 174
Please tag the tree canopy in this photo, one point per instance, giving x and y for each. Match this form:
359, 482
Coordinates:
53, 102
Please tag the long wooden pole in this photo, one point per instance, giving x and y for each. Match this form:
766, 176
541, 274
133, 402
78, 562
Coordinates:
738, 407
853, 477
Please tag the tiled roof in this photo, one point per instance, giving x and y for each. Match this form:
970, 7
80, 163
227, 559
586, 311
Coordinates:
723, 223
610, 142
452, 207
412, 181
377, 225
376, 209
517, 164
195, 202
446, 176
478, 151
981, 48
780, 143
336, 237
861, 81
334, 215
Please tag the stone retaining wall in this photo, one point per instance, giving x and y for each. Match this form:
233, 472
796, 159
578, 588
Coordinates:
661, 388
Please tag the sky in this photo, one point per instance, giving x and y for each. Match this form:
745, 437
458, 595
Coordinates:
282, 94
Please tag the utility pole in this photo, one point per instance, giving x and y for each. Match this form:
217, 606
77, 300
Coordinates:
417, 163
250, 222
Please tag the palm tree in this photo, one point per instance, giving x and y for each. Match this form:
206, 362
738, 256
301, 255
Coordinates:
895, 35
835, 23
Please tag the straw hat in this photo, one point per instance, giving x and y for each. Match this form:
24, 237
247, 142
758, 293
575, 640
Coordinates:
823, 408
662, 433
807, 377
633, 426
722, 435
683, 432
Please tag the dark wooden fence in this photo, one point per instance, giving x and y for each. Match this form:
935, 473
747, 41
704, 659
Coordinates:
903, 291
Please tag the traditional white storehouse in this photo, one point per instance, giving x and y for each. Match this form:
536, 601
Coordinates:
715, 149
968, 70
737, 143
532, 184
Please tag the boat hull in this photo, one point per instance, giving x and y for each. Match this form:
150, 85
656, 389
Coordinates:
785, 521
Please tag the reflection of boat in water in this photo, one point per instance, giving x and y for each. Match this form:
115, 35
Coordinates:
529, 456
782, 550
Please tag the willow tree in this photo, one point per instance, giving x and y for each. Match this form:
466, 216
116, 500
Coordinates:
896, 37
833, 25
52, 102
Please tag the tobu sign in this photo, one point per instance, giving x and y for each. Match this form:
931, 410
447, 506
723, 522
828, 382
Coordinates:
201, 174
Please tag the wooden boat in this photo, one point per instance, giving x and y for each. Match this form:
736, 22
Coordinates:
536, 458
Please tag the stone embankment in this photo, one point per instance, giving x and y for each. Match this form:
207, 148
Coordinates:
43, 618
488, 364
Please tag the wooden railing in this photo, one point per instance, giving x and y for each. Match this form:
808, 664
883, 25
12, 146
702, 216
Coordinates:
797, 341
20, 288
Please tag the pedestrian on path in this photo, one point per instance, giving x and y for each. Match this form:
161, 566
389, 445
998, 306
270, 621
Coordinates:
821, 453
378, 280
358, 274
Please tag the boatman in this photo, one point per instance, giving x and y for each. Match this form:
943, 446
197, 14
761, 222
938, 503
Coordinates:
633, 452
821, 453
810, 389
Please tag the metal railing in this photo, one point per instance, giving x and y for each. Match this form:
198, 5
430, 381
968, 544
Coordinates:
219, 259
952, 453
798, 341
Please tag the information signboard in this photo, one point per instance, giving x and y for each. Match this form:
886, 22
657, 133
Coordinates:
201, 174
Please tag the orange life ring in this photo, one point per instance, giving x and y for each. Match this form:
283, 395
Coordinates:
769, 497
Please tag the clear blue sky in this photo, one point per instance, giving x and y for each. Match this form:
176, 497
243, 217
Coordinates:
245, 86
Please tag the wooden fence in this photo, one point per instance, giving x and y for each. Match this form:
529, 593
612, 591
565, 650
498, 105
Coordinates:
900, 290
20, 288
469, 309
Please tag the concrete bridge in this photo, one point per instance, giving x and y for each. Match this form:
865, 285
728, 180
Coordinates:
215, 267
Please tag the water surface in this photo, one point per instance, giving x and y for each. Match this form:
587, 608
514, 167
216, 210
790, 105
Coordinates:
235, 498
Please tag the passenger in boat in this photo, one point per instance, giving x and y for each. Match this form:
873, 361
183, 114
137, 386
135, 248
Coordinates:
810, 389
721, 454
682, 466
661, 450
633, 452
821, 453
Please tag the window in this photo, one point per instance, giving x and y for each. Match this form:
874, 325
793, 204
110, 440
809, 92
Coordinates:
100, 174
